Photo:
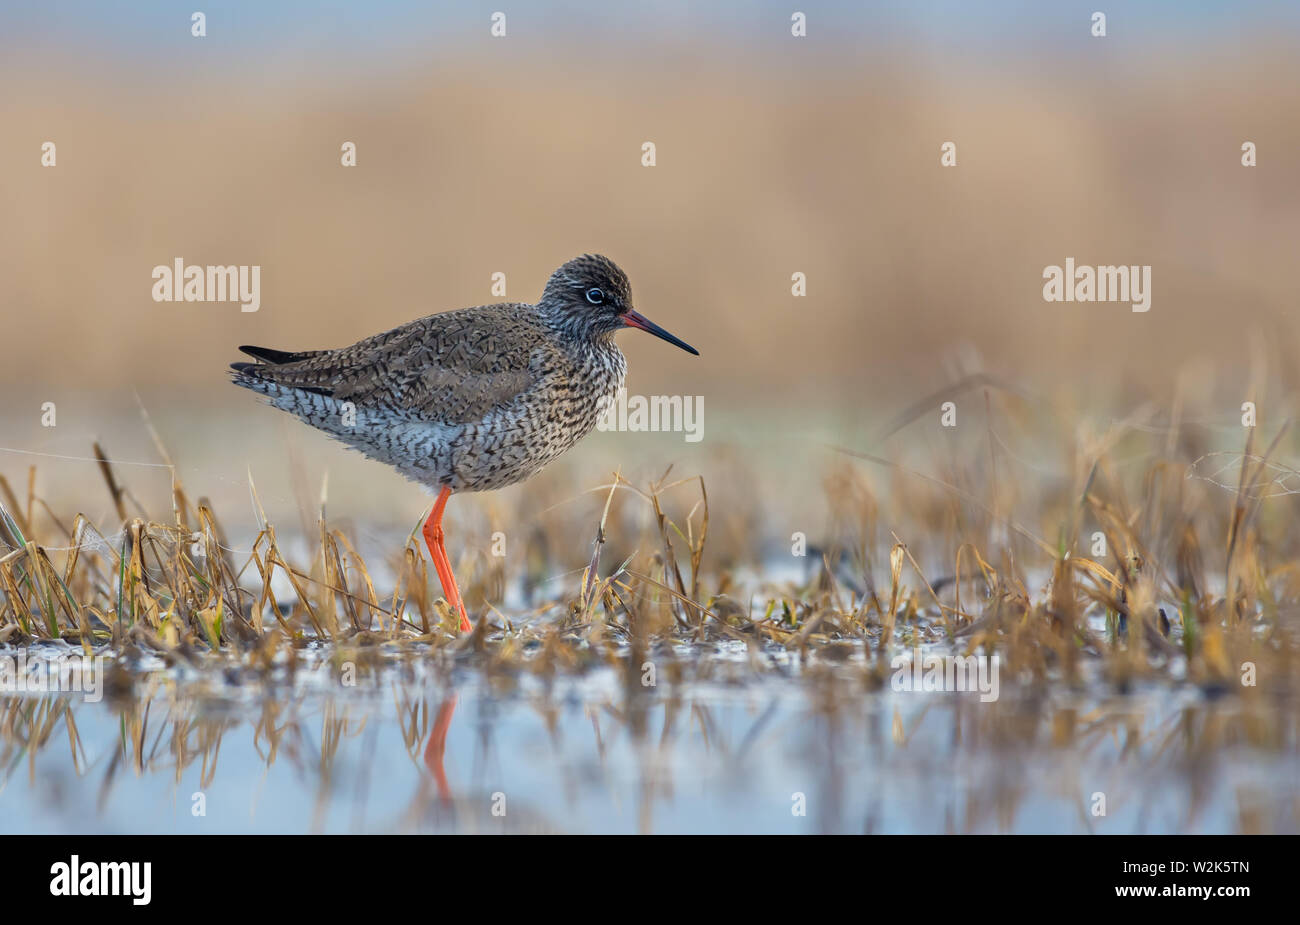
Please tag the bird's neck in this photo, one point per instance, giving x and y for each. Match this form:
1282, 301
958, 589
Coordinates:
573, 330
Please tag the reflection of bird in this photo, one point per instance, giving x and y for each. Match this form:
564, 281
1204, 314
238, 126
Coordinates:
437, 746
468, 400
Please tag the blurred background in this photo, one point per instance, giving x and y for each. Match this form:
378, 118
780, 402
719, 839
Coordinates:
775, 155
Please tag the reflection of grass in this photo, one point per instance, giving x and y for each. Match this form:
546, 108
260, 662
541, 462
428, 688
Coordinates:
954, 554
1145, 749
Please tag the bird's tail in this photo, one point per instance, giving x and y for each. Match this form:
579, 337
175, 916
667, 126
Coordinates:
262, 376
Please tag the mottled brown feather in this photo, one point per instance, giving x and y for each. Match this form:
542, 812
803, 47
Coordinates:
453, 367
470, 400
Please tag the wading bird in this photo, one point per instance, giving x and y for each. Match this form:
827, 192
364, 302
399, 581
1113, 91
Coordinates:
468, 400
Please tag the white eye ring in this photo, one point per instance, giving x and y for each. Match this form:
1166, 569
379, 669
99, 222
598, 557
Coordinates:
595, 296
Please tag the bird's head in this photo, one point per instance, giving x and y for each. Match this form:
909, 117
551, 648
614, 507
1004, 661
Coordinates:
591, 297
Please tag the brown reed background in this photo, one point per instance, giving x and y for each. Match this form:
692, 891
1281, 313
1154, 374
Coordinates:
514, 157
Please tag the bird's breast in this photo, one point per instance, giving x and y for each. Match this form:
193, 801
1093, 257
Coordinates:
516, 441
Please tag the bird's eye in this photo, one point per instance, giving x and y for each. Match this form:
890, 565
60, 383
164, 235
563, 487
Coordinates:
595, 296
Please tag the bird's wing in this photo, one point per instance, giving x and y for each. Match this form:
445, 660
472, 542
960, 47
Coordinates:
452, 368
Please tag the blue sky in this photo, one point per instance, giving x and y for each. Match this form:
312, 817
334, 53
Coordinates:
382, 26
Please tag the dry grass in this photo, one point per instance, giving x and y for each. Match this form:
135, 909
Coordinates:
1198, 578
972, 546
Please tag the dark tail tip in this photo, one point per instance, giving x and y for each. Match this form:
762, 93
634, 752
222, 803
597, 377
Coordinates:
268, 355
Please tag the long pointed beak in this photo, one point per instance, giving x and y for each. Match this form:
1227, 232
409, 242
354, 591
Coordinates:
636, 320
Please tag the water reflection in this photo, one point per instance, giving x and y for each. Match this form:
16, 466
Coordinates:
414, 750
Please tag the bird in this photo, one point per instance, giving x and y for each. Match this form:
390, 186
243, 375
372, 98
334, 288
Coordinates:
468, 400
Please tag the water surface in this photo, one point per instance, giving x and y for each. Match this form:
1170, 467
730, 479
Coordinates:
438, 744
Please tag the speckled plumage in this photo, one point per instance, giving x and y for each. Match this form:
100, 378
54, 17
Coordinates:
474, 399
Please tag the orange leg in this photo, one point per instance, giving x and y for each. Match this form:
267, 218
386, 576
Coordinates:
434, 537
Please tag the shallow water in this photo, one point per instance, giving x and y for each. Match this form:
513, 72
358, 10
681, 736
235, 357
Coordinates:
722, 750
